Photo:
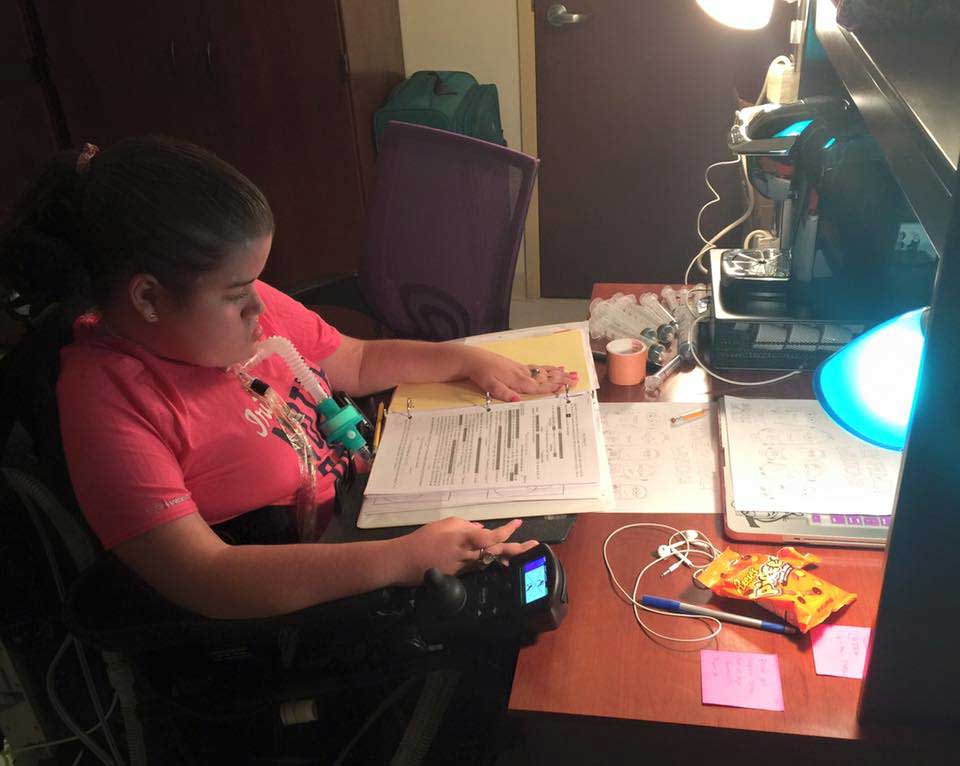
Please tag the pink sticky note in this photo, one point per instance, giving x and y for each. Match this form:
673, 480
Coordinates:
741, 679
840, 650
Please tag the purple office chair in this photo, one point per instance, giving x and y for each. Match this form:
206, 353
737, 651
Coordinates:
442, 235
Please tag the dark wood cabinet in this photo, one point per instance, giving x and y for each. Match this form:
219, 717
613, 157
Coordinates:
283, 90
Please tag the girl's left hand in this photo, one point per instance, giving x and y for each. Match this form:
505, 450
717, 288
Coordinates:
506, 379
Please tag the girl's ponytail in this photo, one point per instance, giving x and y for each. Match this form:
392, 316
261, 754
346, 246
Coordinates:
154, 205
43, 252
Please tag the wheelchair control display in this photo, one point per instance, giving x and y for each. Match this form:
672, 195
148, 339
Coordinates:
520, 600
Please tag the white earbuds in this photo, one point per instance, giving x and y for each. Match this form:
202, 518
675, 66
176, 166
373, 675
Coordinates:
689, 538
665, 550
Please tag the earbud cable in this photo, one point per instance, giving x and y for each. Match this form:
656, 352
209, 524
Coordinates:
711, 553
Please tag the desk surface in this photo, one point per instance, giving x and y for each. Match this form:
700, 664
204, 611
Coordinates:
601, 664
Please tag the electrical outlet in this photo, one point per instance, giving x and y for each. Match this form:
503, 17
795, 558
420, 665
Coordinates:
913, 243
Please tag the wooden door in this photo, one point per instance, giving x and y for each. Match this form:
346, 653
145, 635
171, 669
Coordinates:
632, 106
279, 84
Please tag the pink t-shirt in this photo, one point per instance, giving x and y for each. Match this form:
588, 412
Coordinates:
149, 440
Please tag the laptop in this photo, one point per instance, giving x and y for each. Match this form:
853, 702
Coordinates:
770, 526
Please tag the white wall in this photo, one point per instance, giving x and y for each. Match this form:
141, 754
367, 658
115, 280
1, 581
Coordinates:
478, 37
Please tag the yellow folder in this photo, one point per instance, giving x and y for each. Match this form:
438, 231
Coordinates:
562, 348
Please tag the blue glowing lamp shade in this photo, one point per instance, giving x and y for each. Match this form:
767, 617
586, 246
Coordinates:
868, 386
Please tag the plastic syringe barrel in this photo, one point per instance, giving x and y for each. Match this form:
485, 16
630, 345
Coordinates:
652, 382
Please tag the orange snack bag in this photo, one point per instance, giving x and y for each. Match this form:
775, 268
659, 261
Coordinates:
778, 583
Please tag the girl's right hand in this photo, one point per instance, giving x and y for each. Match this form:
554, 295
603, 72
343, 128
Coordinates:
453, 545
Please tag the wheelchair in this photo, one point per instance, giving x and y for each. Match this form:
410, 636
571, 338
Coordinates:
111, 669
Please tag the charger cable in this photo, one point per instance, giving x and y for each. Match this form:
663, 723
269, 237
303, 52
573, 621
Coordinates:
708, 244
712, 374
714, 192
698, 260
757, 233
693, 543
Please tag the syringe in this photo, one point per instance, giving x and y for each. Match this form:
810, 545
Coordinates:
666, 326
653, 382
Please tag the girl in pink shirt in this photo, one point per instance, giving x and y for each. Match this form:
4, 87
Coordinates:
161, 440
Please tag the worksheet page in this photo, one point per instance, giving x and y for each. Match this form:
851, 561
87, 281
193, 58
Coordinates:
788, 456
541, 442
657, 466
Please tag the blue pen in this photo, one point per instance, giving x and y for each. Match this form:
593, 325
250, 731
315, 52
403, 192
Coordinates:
669, 605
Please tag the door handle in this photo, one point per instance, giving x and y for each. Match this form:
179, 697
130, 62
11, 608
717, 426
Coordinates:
558, 16
209, 60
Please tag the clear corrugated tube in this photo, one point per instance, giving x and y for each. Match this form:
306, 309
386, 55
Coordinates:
290, 422
284, 348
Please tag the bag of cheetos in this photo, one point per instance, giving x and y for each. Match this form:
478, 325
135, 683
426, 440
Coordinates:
778, 583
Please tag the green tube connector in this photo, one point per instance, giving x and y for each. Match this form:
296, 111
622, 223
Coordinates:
339, 425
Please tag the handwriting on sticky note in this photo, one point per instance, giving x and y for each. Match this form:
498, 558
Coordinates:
741, 679
840, 650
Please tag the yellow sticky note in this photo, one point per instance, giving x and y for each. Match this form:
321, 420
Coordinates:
560, 349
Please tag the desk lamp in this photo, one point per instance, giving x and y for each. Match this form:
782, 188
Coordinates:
913, 673
903, 376
868, 387
754, 15
739, 14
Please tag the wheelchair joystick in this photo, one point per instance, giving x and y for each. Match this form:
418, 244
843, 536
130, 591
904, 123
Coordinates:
446, 593
516, 601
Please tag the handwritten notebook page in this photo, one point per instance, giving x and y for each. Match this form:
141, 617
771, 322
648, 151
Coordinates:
741, 679
840, 650
788, 456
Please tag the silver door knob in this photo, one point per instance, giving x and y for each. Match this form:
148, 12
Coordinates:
558, 16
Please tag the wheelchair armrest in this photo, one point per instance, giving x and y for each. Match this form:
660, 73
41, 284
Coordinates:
110, 608
342, 291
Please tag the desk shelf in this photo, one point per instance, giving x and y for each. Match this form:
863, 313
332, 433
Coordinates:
904, 85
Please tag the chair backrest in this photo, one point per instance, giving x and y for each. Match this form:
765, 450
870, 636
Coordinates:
443, 231
28, 380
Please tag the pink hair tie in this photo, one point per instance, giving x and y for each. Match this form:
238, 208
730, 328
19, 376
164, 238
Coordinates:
87, 153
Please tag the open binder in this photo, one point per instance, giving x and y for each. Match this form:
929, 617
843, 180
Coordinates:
447, 449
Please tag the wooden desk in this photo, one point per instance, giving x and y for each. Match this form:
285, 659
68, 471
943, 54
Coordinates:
589, 691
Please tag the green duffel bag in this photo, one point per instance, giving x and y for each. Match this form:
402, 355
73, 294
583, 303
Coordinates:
451, 101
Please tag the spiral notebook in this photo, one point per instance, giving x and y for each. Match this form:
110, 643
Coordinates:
452, 451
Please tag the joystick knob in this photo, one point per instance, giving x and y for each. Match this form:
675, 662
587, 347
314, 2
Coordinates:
445, 593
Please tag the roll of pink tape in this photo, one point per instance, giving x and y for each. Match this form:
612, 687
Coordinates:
626, 361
